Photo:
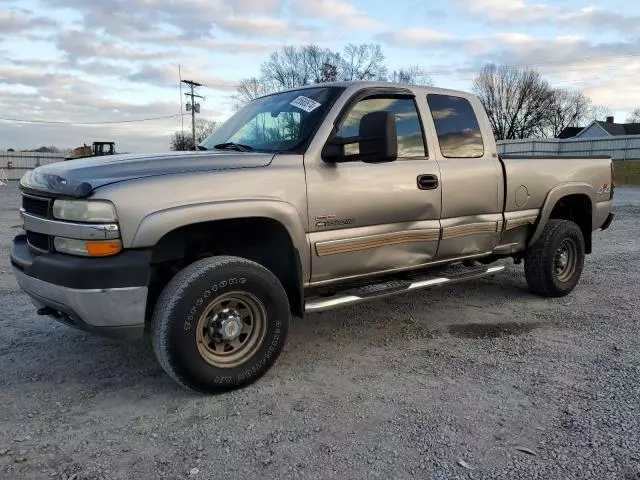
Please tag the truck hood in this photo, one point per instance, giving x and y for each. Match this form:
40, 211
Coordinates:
78, 178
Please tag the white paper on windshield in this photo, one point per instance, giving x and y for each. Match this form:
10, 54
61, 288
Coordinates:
305, 103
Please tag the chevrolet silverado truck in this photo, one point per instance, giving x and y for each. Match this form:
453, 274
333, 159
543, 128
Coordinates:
303, 201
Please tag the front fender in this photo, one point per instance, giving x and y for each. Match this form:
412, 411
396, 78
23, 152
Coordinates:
554, 195
157, 224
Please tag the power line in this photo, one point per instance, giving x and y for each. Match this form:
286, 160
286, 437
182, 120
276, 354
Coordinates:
59, 122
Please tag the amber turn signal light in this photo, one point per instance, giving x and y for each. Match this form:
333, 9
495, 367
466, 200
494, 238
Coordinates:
103, 248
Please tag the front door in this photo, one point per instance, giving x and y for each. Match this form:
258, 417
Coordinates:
369, 218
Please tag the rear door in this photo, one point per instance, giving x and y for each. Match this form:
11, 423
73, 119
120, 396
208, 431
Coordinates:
374, 217
472, 190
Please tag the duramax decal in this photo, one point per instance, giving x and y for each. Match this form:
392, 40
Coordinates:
332, 221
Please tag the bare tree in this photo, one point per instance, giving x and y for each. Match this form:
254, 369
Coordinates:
634, 117
362, 62
286, 68
184, 142
570, 108
329, 73
291, 67
320, 63
252, 88
599, 112
413, 75
518, 101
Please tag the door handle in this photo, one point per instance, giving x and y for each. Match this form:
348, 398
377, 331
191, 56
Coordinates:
427, 182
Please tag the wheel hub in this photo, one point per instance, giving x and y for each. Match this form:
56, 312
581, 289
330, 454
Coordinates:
566, 260
563, 259
231, 329
226, 324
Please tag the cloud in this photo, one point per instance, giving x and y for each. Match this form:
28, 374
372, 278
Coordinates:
444, 113
50, 86
256, 6
15, 22
416, 37
514, 48
520, 12
340, 11
508, 11
194, 18
265, 27
86, 44
208, 43
590, 18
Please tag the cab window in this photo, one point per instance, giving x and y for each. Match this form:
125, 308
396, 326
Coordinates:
457, 127
410, 138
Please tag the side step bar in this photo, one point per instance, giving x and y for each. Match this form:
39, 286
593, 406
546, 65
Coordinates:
393, 287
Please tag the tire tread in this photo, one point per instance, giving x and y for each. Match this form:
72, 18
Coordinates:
172, 294
539, 256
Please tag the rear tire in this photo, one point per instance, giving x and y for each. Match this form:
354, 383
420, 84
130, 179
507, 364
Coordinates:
220, 323
554, 263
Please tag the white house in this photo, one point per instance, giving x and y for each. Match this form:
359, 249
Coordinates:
598, 129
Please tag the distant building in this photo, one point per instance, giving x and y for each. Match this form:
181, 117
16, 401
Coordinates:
570, 132
599, 129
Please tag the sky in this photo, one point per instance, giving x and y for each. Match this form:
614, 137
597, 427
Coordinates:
83, 61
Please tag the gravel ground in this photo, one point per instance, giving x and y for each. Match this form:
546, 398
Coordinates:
448, 384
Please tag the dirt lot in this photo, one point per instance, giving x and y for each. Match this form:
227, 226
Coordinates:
407, 388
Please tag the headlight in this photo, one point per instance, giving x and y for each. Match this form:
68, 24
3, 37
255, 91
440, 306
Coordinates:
87, 248
97, 211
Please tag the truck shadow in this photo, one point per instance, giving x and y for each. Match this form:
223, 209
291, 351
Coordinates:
102, 365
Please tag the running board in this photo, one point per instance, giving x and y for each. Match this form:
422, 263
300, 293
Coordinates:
394, 287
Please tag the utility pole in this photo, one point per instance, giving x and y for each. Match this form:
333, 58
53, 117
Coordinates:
193, 106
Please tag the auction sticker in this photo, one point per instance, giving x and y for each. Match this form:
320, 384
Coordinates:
305, 103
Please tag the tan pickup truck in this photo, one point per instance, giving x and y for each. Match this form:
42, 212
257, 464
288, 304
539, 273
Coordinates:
303, 201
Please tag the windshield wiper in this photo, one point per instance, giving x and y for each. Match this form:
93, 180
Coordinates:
233, 146
200, 147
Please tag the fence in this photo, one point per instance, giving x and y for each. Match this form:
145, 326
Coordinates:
15, 164
619, 148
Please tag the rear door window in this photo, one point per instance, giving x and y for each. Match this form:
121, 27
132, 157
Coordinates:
457, 126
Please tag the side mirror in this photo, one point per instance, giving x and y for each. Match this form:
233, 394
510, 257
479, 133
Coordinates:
378, 138
377, 141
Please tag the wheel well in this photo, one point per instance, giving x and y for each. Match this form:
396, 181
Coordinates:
262, 240
578, 209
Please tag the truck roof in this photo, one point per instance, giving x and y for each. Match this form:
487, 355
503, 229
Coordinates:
358, 84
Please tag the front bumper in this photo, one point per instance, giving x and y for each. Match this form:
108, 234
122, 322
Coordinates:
103, 295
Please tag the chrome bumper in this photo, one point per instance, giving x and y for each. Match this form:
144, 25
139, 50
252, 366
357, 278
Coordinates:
109, 311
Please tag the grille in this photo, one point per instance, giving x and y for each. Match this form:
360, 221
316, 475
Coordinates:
36, 206
39, 241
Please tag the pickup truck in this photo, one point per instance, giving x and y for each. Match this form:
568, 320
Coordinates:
303, 201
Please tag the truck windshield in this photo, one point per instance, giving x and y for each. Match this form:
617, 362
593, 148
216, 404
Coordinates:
282, 122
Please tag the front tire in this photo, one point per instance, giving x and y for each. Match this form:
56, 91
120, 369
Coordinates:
553, 264
220, 324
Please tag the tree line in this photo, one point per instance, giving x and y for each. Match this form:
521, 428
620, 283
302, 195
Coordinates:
291, 67
521, 103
